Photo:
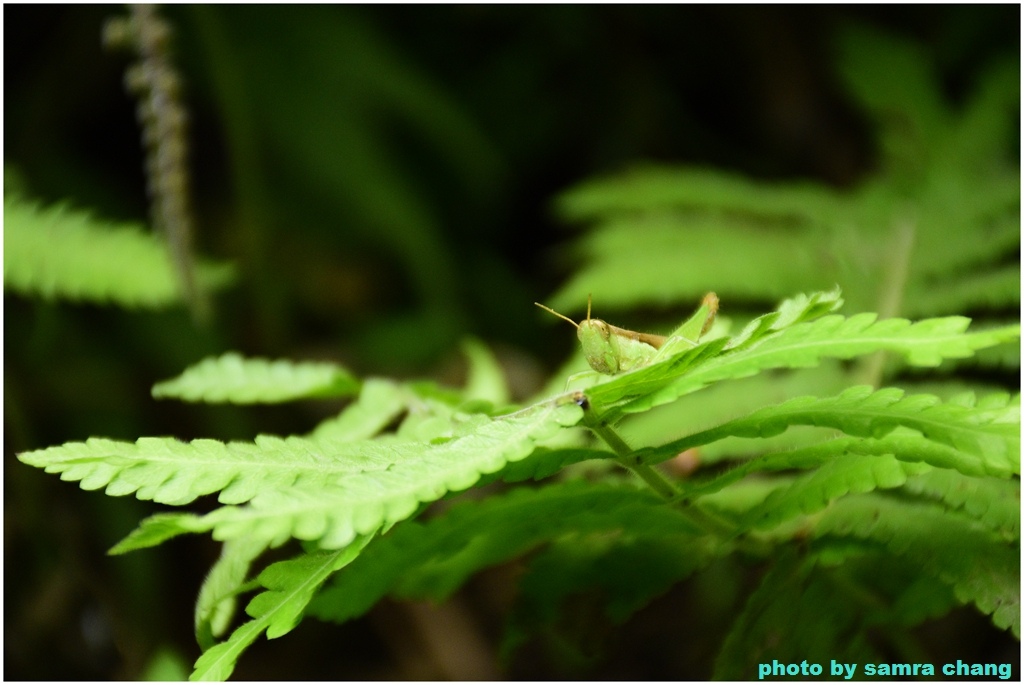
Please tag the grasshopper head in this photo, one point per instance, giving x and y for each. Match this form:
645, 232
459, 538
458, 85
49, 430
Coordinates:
595, 339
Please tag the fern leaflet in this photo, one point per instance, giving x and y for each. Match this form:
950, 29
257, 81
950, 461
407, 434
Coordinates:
981, 567
987, 430
289, 587
925, 343
431, 560
379, 403
994, 503
233, 378
312, 490
58, 252
216, 604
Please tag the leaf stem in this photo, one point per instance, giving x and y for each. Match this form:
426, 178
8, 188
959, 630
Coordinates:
626, 458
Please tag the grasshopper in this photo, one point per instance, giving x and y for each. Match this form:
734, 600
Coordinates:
611, 350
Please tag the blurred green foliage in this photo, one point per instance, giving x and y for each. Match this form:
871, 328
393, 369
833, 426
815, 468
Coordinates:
382, 177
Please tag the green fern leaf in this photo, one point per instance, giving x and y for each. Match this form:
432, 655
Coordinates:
486, 380
803, 458
233, 378
914, 448
902, 594
620, 574
925, 343
988, 121
379, 403
982, 568
57, 252
626, 514
989, 430
651, 266
995, 503
312, 490
888, 74
992, 287
791, 594
172, 472
843, 475
216, 604
626, 571
157, 529
433, 559
802, 308
289, 587
915, 451
650, 187
923, 598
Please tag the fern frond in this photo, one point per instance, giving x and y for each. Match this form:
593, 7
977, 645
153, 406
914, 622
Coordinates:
982, 568
157, 529
380, 402
485, 380
989, 430
791, 594
289, 587
431, 560
891, 589
651, 266
808, 457
854, 465
628, 571
168, 471
888, 74
995, 503
58, 252
239, 380
723, 402
925, 343
987, 120
621, 574
650, 187
1005, 357
312, 490
215, 606
913, 448
993, 287
942, 253
843, 475
924, 598
801, 308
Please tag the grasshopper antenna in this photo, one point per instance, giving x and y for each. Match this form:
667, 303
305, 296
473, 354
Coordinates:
562, 316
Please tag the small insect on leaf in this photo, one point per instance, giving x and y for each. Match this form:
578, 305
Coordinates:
611, 350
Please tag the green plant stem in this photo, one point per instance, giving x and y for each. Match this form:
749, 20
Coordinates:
625, 458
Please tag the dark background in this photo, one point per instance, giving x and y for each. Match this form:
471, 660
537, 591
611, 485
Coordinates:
382, 176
